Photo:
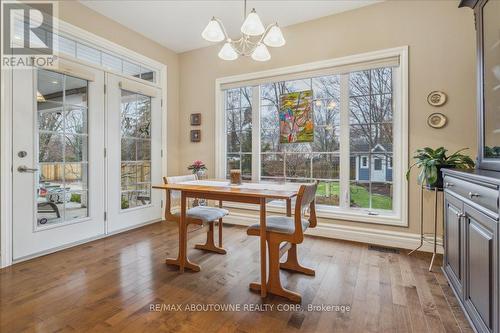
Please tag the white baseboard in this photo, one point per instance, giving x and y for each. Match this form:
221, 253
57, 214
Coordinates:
395, 239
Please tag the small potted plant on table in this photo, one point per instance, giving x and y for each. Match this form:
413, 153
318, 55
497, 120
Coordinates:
199, 168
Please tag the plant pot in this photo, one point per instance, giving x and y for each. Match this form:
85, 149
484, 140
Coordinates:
201, 174
439, 181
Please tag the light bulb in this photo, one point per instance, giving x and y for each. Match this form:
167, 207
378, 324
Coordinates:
261, 53
40, 97
274, 37
227, 52
252, 25
213, 31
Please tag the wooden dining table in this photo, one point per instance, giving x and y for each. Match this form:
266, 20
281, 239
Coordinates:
221, 190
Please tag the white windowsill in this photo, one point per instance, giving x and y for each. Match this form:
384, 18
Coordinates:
332, 213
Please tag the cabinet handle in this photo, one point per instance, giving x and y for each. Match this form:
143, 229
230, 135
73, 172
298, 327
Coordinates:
474, 195
449, 184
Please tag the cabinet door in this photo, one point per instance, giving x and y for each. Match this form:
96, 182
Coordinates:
481, 282
453, 242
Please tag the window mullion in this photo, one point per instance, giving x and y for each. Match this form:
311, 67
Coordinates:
256, 133
344, 142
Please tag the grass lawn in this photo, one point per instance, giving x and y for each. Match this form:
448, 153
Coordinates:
359, 196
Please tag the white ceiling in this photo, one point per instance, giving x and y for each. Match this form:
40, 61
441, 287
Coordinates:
177, 24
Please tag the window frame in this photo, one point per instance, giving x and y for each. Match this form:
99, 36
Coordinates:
364, 162
399, 215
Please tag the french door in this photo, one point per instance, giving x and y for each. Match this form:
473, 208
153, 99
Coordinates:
58, 161
65, 189
133, 130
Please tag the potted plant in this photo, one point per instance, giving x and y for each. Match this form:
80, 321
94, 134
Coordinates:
431, 161
198, 167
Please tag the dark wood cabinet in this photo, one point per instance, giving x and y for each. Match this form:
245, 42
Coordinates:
481, 282
471, 206
471, 254
454, 229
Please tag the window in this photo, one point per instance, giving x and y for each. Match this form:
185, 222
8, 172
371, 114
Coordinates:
135, 150
370, 133
356, 115
364, 162
303, 162
239, 131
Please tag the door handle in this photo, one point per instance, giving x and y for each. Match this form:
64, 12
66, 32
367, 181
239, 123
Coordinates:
24, 168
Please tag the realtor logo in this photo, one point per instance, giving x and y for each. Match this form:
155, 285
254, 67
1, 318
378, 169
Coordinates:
27, 34
27, 28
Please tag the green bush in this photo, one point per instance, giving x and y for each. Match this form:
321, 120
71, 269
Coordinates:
125, 204
75, 197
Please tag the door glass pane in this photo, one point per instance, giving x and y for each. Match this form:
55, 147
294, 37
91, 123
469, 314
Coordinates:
135, 120
62, 189
75, 92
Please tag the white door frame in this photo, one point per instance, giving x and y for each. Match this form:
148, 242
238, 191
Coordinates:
6, 128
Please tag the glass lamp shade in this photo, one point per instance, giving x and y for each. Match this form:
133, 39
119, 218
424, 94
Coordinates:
252, 25
227, 52
274, 37
213, 31
261, 53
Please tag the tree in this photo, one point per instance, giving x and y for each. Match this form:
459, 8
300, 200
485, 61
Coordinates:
370, 105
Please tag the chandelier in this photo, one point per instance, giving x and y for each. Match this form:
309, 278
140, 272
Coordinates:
253, 42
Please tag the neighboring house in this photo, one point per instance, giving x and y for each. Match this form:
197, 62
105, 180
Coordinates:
380, 166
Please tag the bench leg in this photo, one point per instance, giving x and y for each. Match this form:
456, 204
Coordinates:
274, 283
292, 263
220, 233
210, 244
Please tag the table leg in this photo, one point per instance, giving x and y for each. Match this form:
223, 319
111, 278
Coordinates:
182, 261
182, 227
263, 254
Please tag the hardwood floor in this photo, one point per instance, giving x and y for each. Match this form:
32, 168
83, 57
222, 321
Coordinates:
111, 285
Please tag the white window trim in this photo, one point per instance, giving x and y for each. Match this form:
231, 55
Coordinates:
399, 215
